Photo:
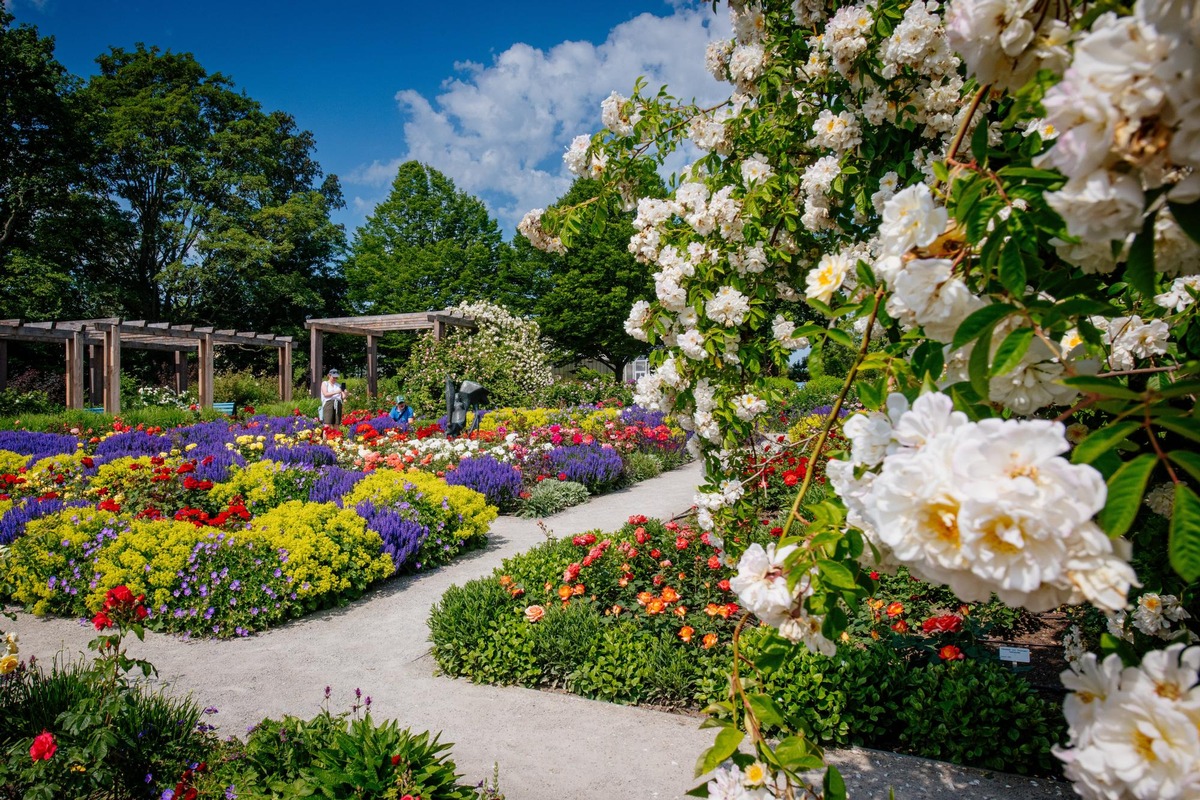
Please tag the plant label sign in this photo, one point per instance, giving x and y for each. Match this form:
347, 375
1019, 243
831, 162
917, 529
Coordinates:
1015, 654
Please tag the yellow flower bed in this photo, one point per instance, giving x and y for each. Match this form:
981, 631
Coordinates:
386, 487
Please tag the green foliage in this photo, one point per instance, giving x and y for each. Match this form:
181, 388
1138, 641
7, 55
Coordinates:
505, 355
821, 391
21, 404
642, 467
243, 389
427, 247
584, 295
586, 389
831, 360
334, 756
552, 496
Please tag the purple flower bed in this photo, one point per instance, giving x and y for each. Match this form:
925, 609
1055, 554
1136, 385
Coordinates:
302, 455
42, 445
13, 522
593, 465
823, 411
135, 444
334, 483
402, 536
636, 415
214, 465
500, 483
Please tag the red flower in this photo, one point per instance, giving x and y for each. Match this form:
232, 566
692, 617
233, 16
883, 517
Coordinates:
874, 575
637, 519
900, 626
185, 467
790, 479
655, 553
109, 504
714, 562
396, 759
777, 531
950, 653
681, 543
118, 594
562, 476
947, 623
43, 747
87, 462
102, 621
723, 585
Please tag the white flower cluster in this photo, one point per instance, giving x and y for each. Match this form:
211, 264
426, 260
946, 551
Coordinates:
1181, 294
1073, 649
1006, 42
579, 163
1129, 338
614, 111
982, 507
729, 782
762, 588
1134, 731
1126, 112
531, 228
1161, 499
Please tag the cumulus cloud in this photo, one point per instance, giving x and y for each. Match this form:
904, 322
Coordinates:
499, 130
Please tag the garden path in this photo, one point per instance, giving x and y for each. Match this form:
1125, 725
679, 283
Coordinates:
549, 746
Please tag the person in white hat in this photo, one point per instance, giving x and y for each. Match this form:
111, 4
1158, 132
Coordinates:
332, 397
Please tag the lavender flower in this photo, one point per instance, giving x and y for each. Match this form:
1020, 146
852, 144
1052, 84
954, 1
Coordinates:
500, 483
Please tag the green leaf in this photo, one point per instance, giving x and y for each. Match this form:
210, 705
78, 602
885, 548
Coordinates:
836, 574
974, 325
1125, 490
979, 140
1011, 351
726, 745
1101, 441
977, 365
1012, 268
1105, 387
1139, 269
767, 712
835, 787
1180, 388
1184, 426
1184, 544
797, 754
1187, 459
1188, 217
841, 337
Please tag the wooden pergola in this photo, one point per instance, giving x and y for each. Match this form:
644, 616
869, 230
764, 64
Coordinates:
103, 339
373, 327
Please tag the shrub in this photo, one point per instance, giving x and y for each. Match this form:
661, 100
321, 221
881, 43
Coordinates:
821, 391
642, 467
454, 510
245, 389
551, 497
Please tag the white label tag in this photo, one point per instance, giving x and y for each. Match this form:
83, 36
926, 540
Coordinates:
1015, 654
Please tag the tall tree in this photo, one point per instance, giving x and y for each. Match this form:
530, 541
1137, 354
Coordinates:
226, 211
584, 295
45, 158
427, 246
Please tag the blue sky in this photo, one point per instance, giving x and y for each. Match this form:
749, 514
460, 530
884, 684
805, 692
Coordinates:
489, 93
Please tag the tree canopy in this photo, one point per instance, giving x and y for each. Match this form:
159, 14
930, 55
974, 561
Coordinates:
427, 246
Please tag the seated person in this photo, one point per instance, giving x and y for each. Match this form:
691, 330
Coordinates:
401, 412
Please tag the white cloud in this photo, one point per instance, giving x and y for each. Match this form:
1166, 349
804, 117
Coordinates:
499, 130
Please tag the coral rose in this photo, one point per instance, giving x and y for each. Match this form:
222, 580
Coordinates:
534, 613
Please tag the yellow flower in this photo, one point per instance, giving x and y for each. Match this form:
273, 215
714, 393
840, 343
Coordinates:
8, 663
756, 773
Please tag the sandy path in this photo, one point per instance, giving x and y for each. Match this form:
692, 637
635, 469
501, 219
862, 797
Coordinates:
549, 746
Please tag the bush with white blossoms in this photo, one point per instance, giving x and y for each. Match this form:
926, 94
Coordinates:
994, 203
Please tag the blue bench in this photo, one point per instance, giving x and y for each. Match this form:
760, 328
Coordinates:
224, 408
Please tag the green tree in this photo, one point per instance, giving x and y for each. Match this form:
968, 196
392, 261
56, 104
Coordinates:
46, 213
225, 212
428, 246
584, 296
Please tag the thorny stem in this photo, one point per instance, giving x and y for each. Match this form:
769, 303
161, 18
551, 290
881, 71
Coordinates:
794, 514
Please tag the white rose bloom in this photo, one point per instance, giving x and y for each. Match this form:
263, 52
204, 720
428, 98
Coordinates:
828, 276
820, 175
649, 392
704, 395
806, 628
1093, 257
1073, 649
613, 116
716, 59
838, 132
706, 426
1175, 253
1042, 127
1000, 43
691, 342
576, 157
756, 170
1161, 499
727, 307
1177, 297
635, 324
783, 330
746, 63
1102, 206
749, 406
927, 293
762, 585
1130, 338
911, 218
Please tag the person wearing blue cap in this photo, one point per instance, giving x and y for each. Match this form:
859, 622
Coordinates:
401, 412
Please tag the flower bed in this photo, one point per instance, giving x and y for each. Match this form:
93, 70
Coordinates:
227, 528
647, 615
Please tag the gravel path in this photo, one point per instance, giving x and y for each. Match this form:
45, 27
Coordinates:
549, 746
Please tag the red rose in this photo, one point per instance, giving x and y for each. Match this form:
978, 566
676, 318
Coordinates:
900, 626
714, 562
950, 653
947, 623
43, 747
87, 462
723, 585
562, 476
119, 594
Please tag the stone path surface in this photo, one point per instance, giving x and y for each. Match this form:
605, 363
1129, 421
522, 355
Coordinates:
549, 746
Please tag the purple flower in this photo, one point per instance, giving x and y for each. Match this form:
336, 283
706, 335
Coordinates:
499, 482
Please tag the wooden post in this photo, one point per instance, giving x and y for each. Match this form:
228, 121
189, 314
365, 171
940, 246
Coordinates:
372, 366
439, 329
316, 360
3, 365
181, 371
285, 372
206, 370
112, 370
95, 376
75, 370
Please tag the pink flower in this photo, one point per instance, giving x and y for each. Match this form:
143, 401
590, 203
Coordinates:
43, 747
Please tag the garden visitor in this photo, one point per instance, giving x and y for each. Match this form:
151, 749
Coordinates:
333, 395
400, 411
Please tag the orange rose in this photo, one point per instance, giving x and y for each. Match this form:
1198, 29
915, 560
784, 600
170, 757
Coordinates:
950, 653
506, 580
564, 592
680, 611
895, 609
534, 613
578, 589
616, 610
655, 606
669, 595
644, 597
900, 626
710, 640
686, 632
712, 609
